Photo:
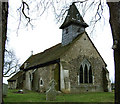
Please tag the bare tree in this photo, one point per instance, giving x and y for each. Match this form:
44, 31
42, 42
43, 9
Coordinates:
11, 63
31, 11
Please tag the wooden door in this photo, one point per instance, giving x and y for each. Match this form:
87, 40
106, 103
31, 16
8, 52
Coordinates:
57, 77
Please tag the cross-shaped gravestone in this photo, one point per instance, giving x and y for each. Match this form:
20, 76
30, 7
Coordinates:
51, 92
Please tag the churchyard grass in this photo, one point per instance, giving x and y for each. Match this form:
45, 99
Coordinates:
30, 96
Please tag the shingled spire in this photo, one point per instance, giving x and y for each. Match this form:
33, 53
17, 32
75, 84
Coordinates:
73, 25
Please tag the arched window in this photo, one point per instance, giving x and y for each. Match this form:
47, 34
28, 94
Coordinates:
81, 74
90, 75
86, 74
41, 82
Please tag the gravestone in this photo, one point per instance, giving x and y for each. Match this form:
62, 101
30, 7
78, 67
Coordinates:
5, 89
66, 79
51, 92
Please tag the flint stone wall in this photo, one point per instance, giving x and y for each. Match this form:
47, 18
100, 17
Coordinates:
47, 74
83, 49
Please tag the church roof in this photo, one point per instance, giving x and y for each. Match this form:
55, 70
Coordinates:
14, 77
73, 17
49, 56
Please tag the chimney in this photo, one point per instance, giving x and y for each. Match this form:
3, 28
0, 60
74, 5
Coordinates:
31, 53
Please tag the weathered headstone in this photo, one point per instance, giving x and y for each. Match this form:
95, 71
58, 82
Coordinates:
66, 79
51, 92
5, 89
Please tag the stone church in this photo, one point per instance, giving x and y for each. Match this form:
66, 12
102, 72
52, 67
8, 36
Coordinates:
75, 64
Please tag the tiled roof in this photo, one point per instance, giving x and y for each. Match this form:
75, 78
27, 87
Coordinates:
14, 77
46, 56
73, 17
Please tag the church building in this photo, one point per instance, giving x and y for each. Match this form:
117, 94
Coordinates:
75, 64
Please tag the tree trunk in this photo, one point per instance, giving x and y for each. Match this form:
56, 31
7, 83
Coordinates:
114, 8
3, 30
0, 53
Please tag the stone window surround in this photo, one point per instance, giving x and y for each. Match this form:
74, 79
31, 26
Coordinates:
83, 64
30, 76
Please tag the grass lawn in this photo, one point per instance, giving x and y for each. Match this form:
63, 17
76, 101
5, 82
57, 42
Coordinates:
30, 96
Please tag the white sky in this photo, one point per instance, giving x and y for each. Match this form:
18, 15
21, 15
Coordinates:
47, 33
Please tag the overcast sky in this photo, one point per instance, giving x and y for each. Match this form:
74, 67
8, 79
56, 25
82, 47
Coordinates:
46, 33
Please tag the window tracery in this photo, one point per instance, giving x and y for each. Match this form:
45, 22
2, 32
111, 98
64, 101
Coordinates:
85, 72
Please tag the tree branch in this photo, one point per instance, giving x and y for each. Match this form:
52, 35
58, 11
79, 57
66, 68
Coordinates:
9, 74
80, 1
23, 10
